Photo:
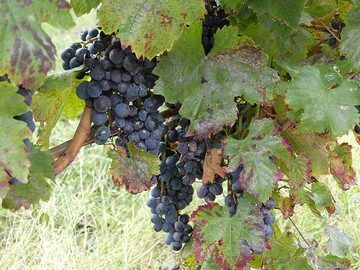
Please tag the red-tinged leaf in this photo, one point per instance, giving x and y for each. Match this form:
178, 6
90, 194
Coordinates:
299, 172
215, 232
260, 173
26, 51
135, 171
287, 206
341, 166
314, 146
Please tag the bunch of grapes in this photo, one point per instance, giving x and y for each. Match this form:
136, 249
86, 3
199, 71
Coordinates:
215, 19
119, 90
337, 26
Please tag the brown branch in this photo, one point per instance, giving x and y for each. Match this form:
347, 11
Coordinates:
73, 147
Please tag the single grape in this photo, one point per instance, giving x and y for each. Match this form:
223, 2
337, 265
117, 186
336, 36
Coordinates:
102, 104
98, 119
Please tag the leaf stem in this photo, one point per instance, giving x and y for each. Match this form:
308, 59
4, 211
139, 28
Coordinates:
302, 236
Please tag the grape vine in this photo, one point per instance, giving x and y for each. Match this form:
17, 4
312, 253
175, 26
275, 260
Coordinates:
227, 112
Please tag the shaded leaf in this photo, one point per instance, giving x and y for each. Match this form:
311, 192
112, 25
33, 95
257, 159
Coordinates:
56, 96
13, 159
350, 38
284, 253
81, 7
27, 53
341, 165
335, 112
322, 197
288, 11
37, 188
152, 26
287, 206
260, 174
206, 86
212, 166
134, 172
216, 232
339, 242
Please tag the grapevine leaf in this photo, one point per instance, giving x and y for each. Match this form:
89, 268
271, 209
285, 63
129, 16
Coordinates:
341, 165
81, 7
56, 96
206, 87
320, 8
135, 171
216, 232
322, 197
299, 172
13, 158
151, 26
231, 5
26, 52
314, 146
284, 253
288, 11
350, 38
212, 162
260, 174
287, 206
339, 242
335, 112
210, 264
279, 40
37, 188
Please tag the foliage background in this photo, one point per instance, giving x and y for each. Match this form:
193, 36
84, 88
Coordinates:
89, 224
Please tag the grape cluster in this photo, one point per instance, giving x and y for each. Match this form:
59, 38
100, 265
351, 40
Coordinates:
336, 26
236, 192
209, 191
215, 19
182, 162
269, 218
119, 90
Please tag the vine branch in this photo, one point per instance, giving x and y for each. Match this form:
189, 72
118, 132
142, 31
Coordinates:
67, 152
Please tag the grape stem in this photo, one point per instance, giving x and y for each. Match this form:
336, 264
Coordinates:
72, 147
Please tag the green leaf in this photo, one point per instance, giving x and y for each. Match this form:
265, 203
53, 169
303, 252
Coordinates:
26, 52
260, 174
350, 38
206, 86
13, 158
231, 5
56, 96
81, 6
284, 253
216, 232
335, 112
320, 8
151, 26
322, 197
341, 165
135, 171
37, 188
288, 11
279, 40
339, 242
210, 264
